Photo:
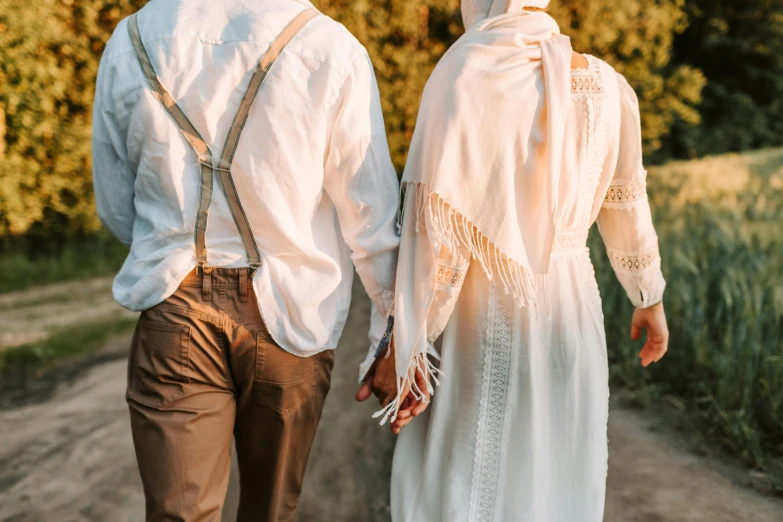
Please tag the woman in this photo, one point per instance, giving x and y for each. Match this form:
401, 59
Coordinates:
520, 146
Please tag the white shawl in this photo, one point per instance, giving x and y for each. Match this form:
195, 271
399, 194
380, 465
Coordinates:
486, 160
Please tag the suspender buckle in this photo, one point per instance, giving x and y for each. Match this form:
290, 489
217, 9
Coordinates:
200, 269
207, 161
254, 268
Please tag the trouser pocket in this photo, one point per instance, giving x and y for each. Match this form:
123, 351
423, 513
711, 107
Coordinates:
158, 367
283, 381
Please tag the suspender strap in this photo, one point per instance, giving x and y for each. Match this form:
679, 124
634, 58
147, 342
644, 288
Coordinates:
259, 75
187, 129
238, 124
223, 166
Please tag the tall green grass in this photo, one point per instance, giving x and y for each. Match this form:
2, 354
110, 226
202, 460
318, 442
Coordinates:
24, 264
722, 249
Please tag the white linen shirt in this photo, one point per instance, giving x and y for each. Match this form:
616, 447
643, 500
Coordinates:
312, 168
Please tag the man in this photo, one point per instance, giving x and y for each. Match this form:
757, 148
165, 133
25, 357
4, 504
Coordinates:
240, 152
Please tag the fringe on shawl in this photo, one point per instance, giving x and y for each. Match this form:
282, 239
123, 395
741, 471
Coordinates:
419, 364
455, 230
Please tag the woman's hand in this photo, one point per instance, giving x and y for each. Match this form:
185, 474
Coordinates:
653, 319
412, 407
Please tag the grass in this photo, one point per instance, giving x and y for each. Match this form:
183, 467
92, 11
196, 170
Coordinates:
22, 266
719, 226
22, 364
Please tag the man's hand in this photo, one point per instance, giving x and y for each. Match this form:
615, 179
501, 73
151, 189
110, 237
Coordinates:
381, 380
654, 320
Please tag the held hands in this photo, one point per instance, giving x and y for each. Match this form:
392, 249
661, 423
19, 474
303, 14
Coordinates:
654, 320
381, 380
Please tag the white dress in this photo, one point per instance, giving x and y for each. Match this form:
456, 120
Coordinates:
516, 431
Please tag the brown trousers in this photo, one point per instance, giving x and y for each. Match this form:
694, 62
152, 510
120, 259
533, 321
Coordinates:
204, 370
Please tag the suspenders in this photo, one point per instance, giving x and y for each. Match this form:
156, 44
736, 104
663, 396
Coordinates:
211, 165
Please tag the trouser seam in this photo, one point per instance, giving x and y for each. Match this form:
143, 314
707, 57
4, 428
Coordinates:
224, 346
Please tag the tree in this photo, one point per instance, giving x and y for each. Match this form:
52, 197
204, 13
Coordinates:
636, 37
738, 44
49, 54
406, 39
50, 50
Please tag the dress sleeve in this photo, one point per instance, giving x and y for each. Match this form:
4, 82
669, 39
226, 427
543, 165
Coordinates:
430, 275
624, 220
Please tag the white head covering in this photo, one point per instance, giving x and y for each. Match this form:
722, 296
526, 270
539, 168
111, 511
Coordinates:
486, 156
489, 136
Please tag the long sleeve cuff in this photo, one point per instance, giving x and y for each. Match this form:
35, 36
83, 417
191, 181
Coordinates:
380, 330
640, 276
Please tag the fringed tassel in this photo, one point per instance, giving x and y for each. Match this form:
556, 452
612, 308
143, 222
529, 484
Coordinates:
420, 364
454, 230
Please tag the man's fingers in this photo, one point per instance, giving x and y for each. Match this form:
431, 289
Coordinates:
365, 392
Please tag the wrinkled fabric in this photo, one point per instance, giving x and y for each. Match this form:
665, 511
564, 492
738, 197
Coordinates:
312, 167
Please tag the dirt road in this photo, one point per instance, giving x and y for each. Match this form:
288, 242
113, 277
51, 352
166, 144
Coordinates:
70, 459
31, 315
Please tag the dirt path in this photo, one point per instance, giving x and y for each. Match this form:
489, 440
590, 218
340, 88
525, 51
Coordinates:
30, 315
70, 459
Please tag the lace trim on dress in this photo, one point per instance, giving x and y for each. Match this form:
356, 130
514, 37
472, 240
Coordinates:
587, 82
451, 276
492, 420
622, 195
569, 240
596, 132
633, 262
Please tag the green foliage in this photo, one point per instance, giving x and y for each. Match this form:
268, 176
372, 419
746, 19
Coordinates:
636, 38
50, 49
49, 54
38, 260
738, 44
723, 260
406, 39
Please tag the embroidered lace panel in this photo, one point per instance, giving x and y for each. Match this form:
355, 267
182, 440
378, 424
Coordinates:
493, 412
569, 240
597, 129
619, 195
587, 82
451, 276
634, 263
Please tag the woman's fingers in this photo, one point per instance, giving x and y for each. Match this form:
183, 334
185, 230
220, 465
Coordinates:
646, 355
636, 332
406, 409
652, 319
402, 421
